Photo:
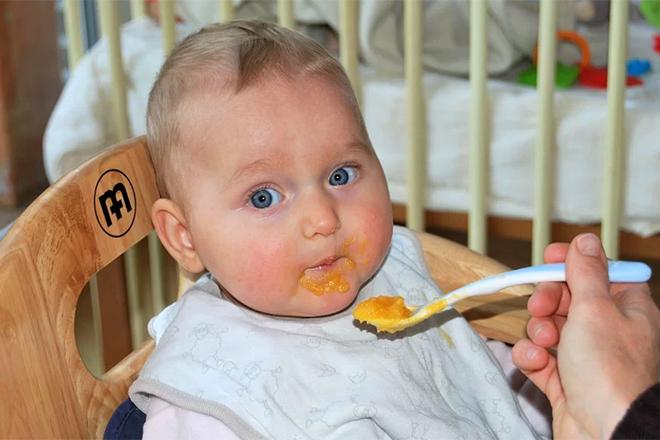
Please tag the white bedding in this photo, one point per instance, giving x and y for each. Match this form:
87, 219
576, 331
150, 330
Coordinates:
581, 119
81, 125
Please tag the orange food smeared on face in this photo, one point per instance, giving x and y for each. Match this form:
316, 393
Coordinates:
382, 307
357, 248
329, 282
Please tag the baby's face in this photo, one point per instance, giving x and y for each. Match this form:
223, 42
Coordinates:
287, 204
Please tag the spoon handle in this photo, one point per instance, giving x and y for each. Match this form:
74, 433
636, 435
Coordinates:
618, 272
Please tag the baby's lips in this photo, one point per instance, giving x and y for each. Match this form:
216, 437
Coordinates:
321, 280
338, 266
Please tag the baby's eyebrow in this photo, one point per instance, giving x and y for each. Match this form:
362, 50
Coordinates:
358, 147
268, 163
252, 167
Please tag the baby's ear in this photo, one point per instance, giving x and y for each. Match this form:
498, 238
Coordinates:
172, 230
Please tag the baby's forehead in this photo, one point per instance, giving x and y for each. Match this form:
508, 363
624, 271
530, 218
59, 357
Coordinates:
213, 116
221, 97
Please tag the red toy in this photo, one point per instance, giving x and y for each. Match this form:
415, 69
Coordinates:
596, 78
656, 43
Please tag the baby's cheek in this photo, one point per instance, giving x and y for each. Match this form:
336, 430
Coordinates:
378, 228
367, 246
264, 266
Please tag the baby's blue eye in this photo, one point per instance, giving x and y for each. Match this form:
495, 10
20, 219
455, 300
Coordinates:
342, 176
264, 198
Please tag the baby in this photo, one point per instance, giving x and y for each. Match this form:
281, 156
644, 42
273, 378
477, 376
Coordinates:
271, 186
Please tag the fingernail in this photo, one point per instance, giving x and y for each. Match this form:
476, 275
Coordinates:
538, 330
531, 353
589, 245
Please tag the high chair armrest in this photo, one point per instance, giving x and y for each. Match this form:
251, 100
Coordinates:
502, 316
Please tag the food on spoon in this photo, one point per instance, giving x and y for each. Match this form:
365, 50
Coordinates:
382, 311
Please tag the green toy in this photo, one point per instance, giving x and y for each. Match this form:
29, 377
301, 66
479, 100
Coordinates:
650, 9
565, 76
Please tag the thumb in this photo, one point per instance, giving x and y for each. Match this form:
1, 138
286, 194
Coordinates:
586, 270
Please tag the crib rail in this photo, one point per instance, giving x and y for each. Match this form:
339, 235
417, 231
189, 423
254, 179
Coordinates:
545, 140
478, 167
415, 115
614, 139
415, 118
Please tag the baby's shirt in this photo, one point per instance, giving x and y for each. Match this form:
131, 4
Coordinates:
273, 377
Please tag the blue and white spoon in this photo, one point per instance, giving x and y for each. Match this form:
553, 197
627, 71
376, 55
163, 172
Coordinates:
619, 272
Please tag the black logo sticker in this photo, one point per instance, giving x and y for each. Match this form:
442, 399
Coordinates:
114, 203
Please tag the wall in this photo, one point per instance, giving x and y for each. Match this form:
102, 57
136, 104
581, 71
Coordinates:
29, 87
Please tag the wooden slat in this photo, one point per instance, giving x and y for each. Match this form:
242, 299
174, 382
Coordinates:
545, 136
72, 29
155, 249
109, 17
138, 9
614, 136
415, 115
166, 8
348, 43
116, 330
226, 11
285, 15
478, 159
156, 270
75, 51
97, 323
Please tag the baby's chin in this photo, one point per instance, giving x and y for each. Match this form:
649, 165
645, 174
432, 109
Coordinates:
315, 306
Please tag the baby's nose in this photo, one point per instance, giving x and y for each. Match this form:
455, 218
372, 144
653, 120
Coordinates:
320, 217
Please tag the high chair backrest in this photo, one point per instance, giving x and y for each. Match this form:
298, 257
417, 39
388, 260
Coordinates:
75, 228
81, 224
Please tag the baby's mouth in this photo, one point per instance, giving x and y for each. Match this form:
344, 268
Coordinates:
323, 265
327, 276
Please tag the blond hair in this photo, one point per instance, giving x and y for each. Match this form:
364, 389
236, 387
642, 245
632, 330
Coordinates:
230, 56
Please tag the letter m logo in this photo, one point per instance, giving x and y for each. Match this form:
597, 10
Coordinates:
116, 205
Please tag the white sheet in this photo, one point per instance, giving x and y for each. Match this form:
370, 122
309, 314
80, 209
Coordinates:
81, 125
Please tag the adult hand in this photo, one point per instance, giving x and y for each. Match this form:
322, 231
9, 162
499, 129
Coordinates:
607, 340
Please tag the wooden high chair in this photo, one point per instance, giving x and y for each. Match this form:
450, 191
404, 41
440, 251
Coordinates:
81, 224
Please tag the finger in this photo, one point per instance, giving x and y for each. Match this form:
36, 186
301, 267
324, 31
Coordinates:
529, 357
540, 367
543, 331
549, 299
564, 302
555, 252
545, 299
586, 270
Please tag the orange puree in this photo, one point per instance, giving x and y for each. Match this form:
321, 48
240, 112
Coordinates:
332, 281
382, 307
356, 247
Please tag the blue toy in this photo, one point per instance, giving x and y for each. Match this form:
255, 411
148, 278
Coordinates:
638, 67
